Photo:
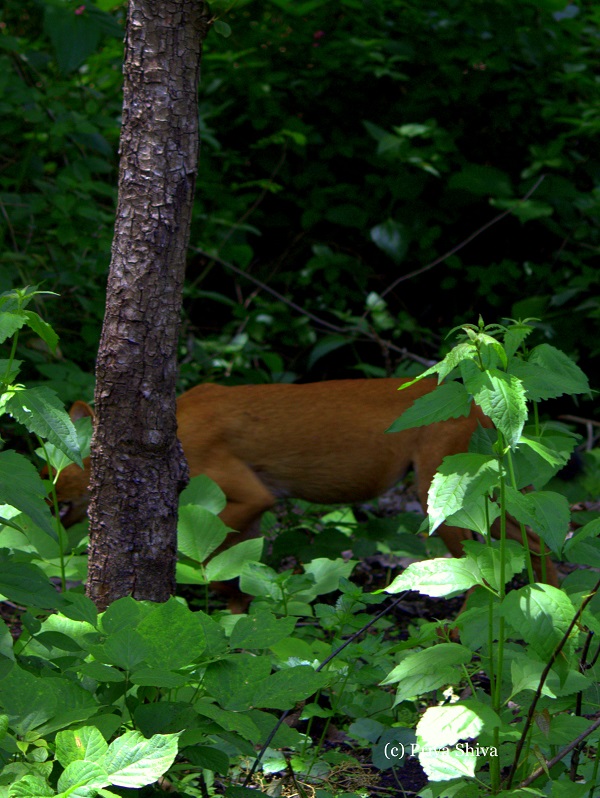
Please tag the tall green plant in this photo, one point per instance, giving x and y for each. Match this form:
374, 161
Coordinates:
532, 643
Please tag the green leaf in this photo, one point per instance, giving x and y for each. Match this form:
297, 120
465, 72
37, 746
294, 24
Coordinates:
10, 323
27, 584
42, 328
567, 375
460, 478
438, 577
392, 238
22, 487
204, 492
134, 761
540, 615
232, 681
199, 532
483, 181
229, 563
502, 399
428, 670
172, 634
285, 688
30, 786
222, 28
446, 725
449, 400
261, 630
546, 512
41, 412
584, 546
524, 210
85, 743
82, 779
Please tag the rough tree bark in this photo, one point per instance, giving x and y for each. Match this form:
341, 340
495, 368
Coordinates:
138, 467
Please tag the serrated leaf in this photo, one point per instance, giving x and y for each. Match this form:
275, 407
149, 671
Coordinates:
567, 374
584, 546
449, 400
10, 323
285, 688
261, 630
546, 512
502, 399
460, 479
438, 577
540, 615
428, 670
41, 412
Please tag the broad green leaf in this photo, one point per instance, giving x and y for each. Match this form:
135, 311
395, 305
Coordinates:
428, 670
327, 574
100, 672
199, 532
488, 560
41, 412
460, 479
482, 181
526, 673
125, 613
26, 584
449, 400
438, 577
204, 492
543, 375
449, 764
478, 515
229, 563
502, 399
209, 758
85, 743
126, 649
546, 512
10, 323
524, 210
78, 607
172, 634
540, 615
134, 761
83, 778
232, 681
392, 238
30, 786
538, 458
446, 725
22, 487
237, 722
285, 688
261, 630
158, 677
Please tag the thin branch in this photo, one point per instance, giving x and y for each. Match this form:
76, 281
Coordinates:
464, 243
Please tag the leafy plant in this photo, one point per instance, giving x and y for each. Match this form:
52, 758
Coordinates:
532, 644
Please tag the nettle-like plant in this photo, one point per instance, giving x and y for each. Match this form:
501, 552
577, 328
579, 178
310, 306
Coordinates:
526, 665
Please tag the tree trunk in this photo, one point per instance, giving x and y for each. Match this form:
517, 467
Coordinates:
138, 466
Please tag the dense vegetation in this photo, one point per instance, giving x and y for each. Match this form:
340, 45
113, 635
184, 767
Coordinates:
346, 145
